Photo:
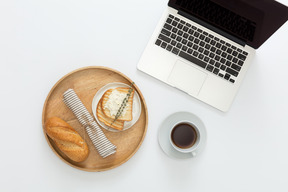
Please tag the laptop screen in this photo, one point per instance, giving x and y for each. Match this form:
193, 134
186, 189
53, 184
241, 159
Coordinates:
251, 21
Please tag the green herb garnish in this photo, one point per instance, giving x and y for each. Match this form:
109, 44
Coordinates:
124, 103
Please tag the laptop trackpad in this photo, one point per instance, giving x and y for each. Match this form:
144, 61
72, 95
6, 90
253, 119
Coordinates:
186, 77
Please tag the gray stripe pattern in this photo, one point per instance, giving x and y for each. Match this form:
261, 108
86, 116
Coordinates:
98, 138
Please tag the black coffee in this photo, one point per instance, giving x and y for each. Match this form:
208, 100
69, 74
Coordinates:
184, 135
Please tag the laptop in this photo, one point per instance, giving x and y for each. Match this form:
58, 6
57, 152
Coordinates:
205, 47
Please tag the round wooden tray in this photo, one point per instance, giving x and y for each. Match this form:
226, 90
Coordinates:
86, 82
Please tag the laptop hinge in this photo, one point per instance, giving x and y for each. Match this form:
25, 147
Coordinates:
211, 27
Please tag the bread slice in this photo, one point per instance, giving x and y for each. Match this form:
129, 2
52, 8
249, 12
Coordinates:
127, 113
118, 124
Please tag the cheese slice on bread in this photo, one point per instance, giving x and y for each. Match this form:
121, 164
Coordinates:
112, 101
118, 124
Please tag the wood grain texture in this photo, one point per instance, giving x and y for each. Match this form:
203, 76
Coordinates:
86, 82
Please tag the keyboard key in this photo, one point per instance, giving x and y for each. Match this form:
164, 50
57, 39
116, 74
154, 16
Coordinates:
240, 62
180, 33
216, 71
223, 67
184, 48
191, 31
245, 53
232, 72
212, 62
207, 39
178, 38
234, 53
212, 55
213, 42
228, 63
223, 48
209, 68
173, 36
169, 48
184, 41
171, 16
166, 32
239, 50
189, 44
206, 59
164, 38
242, 57
174, 23
158, 42
229, 57
169, 21
200, 49
174, 30
190, 51
173, 43
234, 60
200, 56
232, 80
177, 19
227, 76
207, 46
185, 28
236, 67
202, 37
175, 51
213, 49
163, 45
195, 47
192, 59
217, 64
196, 34
179, 26
222, 60
185, 35
196, 41
191, 38
229, 50
206, 52
167, 26
220, 75
179, 45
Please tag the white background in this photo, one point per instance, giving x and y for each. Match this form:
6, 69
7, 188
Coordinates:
41, 41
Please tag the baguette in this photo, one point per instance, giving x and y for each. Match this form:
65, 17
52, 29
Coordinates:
127, 116
67, 139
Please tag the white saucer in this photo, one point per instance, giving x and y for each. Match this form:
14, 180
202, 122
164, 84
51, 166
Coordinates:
164, 134
136, 111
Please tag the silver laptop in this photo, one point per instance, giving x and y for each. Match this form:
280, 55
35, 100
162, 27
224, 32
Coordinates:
205, 47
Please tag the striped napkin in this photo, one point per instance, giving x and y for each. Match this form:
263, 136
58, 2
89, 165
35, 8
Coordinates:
98, 138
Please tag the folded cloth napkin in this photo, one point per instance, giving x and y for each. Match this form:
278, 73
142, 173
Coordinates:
98, 138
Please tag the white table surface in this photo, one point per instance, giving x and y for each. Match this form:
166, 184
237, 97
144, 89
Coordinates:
41, 41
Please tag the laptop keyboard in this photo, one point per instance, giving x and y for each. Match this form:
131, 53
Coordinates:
200, 47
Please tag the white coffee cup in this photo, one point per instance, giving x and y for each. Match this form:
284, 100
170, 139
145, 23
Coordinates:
185, 137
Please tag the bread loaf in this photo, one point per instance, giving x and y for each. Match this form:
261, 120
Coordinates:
67, 139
